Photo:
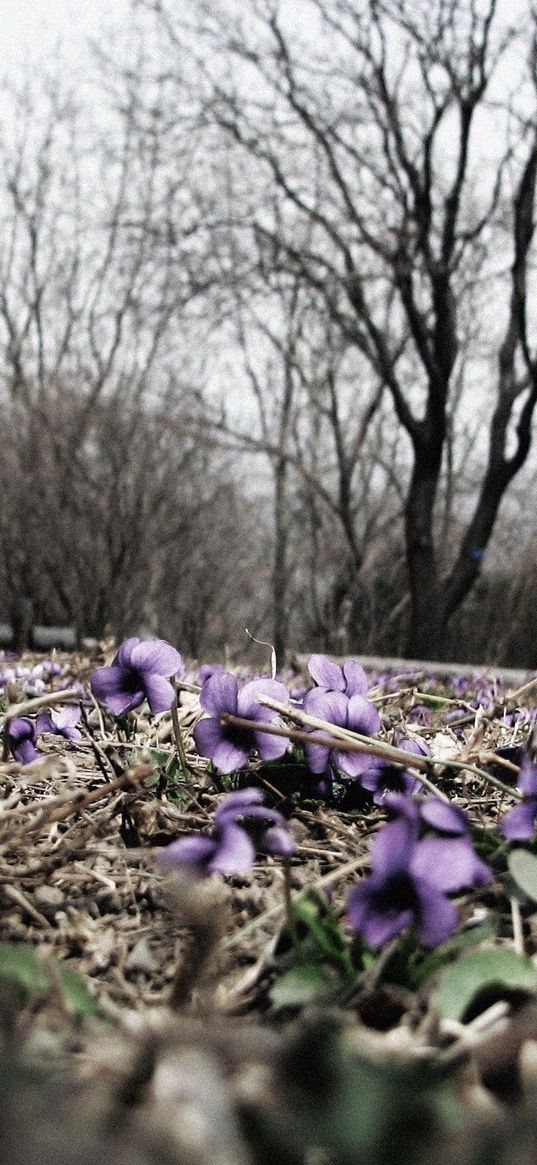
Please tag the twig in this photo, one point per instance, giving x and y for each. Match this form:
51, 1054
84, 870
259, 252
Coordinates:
77, 802
518, 933
327, 880
344, 741
37, 702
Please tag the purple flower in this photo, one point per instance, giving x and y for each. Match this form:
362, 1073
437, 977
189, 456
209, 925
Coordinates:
411, 877
350, 679
141, 670
519, 823
353, 712
21, 735
61, 722
382, 778
208, 669
420, 714
242, 825
228, 746
453, 851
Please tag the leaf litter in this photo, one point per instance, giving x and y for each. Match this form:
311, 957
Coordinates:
193, 1021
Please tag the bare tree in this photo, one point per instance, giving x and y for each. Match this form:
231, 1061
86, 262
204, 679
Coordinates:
96, 484
366, 132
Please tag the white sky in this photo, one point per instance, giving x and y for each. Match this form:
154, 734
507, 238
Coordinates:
32, 28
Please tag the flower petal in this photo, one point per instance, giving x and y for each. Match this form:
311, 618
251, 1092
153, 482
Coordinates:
393, 846
317, 757
208, 734
158, 657
446, 818
371, 776
326, 673
362, 716
219, 693
25, 752
67, 717
230, 756
449, 864
193, 851
351, 763
239, 801
519, 823
112, 686
123, 655
330, 706
270, 747
247, 702
527, 777
45, 723
160, 692
437, 917
277, 840
235, 852
369, 917
355, 677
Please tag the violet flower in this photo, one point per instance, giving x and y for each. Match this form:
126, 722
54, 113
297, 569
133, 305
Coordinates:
453, 850
208, 669
242, 826
141, 670
411, 877
519, 823
353, 712
61, 722
21, 736
382, 778
226, 745
350, 679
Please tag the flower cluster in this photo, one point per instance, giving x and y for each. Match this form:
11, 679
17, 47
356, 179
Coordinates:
243, 825
412, 875
22, 731
419, 858
32, 679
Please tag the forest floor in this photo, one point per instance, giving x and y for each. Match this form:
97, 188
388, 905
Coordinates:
147, 1018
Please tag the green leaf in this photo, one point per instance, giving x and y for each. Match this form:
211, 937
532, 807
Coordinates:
434, 960
22, 972
77, 997
300, 985
31, 978
523, 868
313, 911
486, 969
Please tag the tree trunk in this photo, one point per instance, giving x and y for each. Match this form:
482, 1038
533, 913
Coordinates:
426, 629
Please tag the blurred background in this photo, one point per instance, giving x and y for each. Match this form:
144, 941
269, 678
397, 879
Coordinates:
268, 344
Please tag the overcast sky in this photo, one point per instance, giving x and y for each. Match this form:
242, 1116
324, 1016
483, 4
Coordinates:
33, 28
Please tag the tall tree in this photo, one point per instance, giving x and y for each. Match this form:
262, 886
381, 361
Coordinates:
93, 484
366, 118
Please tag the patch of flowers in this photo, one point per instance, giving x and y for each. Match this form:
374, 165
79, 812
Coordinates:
419, 859
32, 679
335, 730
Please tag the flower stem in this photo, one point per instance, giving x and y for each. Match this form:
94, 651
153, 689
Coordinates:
183, 763
383, 750
289, 913
37, 702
